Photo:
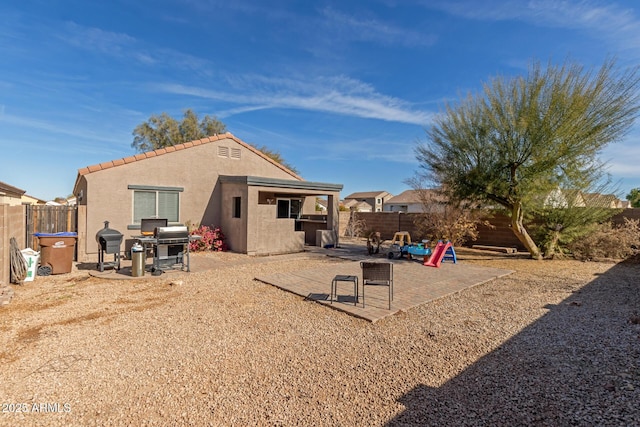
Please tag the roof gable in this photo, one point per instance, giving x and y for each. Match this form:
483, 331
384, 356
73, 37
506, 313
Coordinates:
367, 195
184, 146
408, 196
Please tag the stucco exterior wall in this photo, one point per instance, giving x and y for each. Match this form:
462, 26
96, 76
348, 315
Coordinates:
234, 228
194, 169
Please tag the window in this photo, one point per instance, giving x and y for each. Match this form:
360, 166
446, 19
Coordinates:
156, 202
237, 207
289, 208
283, 208
378, 201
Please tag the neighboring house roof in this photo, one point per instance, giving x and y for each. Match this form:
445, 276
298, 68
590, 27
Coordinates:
414, 196
562, 198
322, 203
408, 196
10, 190
367, 195
598, 200
32, 200
186, 145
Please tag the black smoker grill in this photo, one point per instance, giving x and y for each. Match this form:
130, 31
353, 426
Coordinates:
109, 242
170, 247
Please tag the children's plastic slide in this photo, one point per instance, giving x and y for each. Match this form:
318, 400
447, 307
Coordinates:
438, 253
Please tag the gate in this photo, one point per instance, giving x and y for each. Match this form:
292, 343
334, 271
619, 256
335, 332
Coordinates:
49, 219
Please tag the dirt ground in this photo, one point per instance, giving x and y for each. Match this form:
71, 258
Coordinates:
554, 343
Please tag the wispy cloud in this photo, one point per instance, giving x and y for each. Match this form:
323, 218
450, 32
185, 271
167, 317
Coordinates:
125, 47
602, 20
355, 28
57, 128
336, 95
96, 39
384, 149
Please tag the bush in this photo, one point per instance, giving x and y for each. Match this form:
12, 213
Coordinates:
453, 223
212, 239
355, 226
609, 241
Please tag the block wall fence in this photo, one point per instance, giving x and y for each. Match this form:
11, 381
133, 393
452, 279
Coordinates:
497, 234
12, 224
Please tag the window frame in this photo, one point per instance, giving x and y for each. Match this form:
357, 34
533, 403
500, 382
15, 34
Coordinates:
289, 205
173, 191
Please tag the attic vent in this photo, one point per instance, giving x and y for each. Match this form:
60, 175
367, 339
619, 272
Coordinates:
223, 151
235, 153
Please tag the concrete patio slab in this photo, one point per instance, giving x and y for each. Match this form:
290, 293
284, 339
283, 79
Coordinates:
414, 285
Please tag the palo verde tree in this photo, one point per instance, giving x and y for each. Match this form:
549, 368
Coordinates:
164, 131
522, 137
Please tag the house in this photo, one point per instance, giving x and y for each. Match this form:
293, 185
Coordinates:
321, 205
354, 205
598, 200
415, 201
376, 199
261, 206
30, 200
10, 195
562, 198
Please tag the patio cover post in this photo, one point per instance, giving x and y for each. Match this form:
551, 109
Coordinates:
333, 216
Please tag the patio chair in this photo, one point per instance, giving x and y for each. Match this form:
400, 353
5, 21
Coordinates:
377, 274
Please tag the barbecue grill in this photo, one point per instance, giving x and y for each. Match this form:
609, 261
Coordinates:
148, 225
109, 241
170, 247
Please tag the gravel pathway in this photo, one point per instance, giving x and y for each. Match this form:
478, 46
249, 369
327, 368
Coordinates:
556, 343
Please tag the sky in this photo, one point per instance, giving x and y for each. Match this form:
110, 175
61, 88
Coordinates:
343, 90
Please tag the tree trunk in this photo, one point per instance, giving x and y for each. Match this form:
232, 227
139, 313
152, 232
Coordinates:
521, 232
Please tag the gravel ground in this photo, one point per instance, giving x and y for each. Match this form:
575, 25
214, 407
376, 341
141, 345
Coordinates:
556, 343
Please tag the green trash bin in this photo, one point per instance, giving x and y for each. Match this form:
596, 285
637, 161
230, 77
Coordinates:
57, 250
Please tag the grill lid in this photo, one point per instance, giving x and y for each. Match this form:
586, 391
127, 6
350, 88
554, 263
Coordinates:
173, 232
108, 234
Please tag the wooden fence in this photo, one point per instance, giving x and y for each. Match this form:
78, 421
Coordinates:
49, 219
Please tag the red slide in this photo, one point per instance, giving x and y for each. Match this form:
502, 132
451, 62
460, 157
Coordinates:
438, 253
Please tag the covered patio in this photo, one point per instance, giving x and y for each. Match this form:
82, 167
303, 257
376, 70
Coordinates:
278, 215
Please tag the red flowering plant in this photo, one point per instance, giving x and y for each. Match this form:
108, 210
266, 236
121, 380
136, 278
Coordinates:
212, 239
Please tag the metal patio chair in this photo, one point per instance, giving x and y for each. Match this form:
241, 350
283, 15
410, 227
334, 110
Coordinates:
377, 274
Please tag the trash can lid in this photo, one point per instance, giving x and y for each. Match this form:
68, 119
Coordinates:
60, 234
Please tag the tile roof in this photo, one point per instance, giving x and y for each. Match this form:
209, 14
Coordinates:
366, 194
171, 149
415, 196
